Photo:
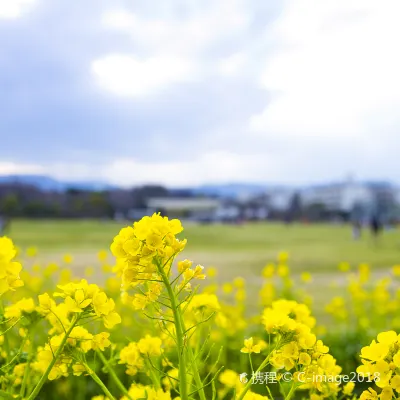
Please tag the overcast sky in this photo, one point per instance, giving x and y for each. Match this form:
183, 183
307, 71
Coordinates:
185, 92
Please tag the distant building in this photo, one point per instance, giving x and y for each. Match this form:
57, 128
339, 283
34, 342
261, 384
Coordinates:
279, 198
196, 208
135, 214
228, 211
384, 202
337, 197
397, 196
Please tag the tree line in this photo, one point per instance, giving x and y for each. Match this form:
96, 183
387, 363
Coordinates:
21, 200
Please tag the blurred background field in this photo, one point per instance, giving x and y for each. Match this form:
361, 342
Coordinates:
350, 285
241, 250
316, 248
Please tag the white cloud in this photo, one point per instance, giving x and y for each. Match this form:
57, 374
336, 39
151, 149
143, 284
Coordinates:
10, 168
335, 72
128, 76
211, 167
233, 65
312, 97
11, 9
168, 49
166, 31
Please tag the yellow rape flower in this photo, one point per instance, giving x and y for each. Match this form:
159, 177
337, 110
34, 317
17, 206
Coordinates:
268, 271
250, 347
283, 257
25, 305
77, 303
31, 251
150, 346
348, 388
102, 255
344, 266
227, 288
229, 378
9, 269
282, 270
67, 258
306, 277
131, 357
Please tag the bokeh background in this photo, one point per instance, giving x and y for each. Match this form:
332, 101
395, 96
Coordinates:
271, 129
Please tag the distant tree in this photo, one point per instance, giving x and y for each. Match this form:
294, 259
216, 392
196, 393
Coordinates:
315, 212
35, 209
77, 206
99, 205
294, 210
9, 205
141, 194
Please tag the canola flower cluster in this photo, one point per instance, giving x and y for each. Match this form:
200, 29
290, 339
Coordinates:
299, 350
9, 269
153, 332
145, 251
381, 360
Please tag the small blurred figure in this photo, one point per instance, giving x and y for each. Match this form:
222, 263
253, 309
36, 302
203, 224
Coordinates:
356, 229
4, 225
376, 226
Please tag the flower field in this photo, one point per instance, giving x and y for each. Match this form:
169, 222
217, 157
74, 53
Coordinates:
165, 327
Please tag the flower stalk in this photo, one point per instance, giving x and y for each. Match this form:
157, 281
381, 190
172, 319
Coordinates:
183, 386
58, 352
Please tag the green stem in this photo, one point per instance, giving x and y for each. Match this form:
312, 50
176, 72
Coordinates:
193, 363
113, 375
95, 377
183, 387
44, 377
269, 392
249, 383
26, 375
291, 392
154, 378
25, 379
6, 342
196, 373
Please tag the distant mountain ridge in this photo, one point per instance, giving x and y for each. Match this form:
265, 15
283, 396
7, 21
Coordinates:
49, 184
234, 189
224, 190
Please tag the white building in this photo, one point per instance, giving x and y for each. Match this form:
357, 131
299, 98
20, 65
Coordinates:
338, 196
191, 207
227, 212
280, 198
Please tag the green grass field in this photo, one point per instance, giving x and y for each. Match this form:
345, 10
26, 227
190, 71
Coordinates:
314, 248
235, 250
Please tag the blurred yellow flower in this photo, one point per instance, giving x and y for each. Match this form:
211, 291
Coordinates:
283, 270
67, 258
306, 277
268, 271
396, 270
239, 282
344, 266
283, 257
227, 288
89, 271
250, 347
102, 255
31, 251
